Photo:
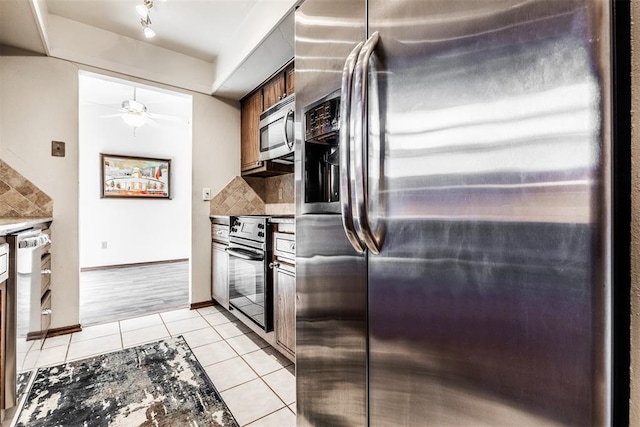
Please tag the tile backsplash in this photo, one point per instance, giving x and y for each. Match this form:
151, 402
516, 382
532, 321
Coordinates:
256, 196
237, 198
19, 198
279, 189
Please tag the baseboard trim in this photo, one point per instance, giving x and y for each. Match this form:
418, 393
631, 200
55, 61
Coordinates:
202, 304
135, 264
35, 335
64, 330
54, 332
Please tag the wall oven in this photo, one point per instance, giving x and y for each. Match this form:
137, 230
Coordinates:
250, 285
276, 131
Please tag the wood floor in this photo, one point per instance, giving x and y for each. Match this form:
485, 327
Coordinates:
125, 292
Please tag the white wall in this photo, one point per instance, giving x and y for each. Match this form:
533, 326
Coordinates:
135, 230
39, 103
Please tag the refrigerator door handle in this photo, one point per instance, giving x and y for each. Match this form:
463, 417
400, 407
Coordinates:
345, 137
361, 220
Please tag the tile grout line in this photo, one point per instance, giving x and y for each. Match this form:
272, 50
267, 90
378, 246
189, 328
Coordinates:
121, 338
259, 377
269, 414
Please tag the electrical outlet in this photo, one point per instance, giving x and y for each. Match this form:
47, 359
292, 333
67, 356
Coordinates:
206, 194
104, 245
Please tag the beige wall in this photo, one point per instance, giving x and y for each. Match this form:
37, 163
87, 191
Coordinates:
635, 218
216, 161
39, 103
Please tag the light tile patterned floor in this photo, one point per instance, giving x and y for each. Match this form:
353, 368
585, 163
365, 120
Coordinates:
256, 382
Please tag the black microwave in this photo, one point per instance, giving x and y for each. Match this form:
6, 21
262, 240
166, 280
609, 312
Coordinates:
276, 130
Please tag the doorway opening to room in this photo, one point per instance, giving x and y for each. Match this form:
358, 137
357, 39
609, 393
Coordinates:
134, 162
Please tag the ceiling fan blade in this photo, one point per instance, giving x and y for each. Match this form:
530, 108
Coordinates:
152, 122
111, 106
166, 117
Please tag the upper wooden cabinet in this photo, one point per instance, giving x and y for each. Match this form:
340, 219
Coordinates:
273, 91
279, 86
249, 132
290, 79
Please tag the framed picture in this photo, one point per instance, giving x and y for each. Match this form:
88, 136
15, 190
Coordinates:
141, 177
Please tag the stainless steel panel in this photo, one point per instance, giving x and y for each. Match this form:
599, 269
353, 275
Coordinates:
326, 31
488, 302
331, 325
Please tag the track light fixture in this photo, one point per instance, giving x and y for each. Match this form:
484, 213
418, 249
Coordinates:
143, 10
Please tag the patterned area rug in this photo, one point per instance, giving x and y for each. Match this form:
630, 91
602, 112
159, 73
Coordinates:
156, 384
22, 382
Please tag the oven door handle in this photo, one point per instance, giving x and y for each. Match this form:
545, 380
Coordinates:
245, 254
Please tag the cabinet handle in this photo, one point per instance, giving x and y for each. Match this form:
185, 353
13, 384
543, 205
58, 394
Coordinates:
274, 264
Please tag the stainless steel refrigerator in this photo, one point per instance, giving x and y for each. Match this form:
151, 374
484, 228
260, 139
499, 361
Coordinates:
453, 175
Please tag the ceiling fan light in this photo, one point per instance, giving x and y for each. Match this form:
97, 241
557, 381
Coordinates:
133, 106
149, 33
134, 119
142, 10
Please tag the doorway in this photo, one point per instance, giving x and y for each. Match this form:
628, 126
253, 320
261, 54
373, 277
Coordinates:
134, 199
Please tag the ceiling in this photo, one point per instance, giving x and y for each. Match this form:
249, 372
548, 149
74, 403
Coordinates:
219, 47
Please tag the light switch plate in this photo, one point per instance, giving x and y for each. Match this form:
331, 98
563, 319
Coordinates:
206, 194
57, 148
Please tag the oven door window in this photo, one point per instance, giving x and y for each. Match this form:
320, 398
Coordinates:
247, 287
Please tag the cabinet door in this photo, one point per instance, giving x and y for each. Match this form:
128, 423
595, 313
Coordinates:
285, 310
290, 79
250, 132
220, 275
273, 91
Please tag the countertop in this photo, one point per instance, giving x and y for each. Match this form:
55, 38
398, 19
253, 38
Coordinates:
276, 219
282, 220
10, 225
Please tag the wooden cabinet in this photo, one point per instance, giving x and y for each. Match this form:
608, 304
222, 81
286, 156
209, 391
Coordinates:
284, 284
290, 79
284, 288
220, 260
273, 91
220, 274
250, 132
3, 332
279, 86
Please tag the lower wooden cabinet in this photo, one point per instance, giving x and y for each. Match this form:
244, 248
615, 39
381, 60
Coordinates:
284, 282
220, 274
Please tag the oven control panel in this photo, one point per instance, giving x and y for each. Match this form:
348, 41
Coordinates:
249, 227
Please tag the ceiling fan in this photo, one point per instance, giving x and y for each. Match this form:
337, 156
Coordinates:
135, 114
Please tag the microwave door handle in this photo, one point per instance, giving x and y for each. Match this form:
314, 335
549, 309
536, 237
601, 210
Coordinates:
361, 134
345, 175
286, 135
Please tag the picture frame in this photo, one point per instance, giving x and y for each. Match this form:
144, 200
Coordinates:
134, 177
